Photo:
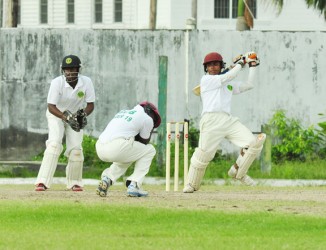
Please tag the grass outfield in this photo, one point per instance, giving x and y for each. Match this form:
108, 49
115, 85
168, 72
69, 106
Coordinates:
216, 217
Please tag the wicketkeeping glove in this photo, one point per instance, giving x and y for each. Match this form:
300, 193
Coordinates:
71, 120
81, 118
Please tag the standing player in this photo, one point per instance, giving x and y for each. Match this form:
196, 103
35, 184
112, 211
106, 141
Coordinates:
125, 141
217, 123
65, 114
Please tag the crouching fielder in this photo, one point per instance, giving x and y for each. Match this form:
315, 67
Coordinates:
125, 141
216, 91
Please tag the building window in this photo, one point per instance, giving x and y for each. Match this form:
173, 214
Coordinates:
222, 8
43, 11
118, 11
70, 11
98, 11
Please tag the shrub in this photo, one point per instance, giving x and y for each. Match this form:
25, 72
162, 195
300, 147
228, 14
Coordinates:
322, 136
290, 140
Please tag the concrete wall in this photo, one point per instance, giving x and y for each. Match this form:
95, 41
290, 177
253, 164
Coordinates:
124, 68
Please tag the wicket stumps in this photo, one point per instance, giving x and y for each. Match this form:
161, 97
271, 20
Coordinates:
176, 153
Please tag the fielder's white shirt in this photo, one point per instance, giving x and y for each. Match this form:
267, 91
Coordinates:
217, 91
128, 123
65, 97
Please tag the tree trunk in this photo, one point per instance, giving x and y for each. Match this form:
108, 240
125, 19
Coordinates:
241, 21
7, 13
10, 13
152, 16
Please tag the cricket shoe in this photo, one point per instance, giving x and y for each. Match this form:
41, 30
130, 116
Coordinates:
103, 186
77, 188
40, 187
247, 180
135, 191
188, 189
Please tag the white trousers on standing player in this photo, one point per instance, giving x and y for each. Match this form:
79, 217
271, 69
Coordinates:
74, 139
123, 152
214, 127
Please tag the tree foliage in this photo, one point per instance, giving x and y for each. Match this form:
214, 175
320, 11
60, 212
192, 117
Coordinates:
316, 4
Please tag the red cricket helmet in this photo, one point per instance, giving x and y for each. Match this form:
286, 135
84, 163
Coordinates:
213, 57
150, 108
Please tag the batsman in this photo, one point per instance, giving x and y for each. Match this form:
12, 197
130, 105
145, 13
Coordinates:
216, 89
65, 114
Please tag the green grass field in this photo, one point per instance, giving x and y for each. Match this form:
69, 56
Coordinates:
216, 217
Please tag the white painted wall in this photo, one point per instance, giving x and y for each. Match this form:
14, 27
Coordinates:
291, 74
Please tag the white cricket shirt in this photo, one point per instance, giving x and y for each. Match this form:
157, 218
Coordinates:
128, 123
65, 97
217, 91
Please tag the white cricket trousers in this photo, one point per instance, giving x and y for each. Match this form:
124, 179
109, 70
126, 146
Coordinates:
214, 127
122, 153
74, 140
57, 129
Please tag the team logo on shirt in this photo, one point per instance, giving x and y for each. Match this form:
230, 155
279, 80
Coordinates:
80, 94
230, 87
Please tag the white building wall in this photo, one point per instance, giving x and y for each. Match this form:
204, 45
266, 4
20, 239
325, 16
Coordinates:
30, 15
180, 12
142, 13
84, 13
172, 14
296, 16
107, 17
128, 11
164, 12
57, 13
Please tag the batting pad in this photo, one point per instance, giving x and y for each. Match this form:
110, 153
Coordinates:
199, 162
244, 162
74, 169
49, 164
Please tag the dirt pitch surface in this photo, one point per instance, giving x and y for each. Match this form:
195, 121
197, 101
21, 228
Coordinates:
309, 201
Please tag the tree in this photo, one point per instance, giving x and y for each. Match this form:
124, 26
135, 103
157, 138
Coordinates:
152, 15
245, 20
319, 5
316, 4
10, 13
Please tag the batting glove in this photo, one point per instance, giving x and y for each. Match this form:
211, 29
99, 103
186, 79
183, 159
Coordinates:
240, 59
252, 59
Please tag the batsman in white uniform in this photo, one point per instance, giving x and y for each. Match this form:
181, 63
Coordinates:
217, 123
124, 141
67, 96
